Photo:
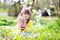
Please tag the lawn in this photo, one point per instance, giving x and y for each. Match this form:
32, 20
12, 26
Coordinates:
3, 10
49, 30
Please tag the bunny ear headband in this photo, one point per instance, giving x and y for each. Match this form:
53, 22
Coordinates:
25, 8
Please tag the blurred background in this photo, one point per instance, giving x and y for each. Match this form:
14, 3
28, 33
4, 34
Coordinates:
39, 9
45, 18
13, 7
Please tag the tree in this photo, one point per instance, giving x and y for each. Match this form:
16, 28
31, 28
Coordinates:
59, 7
4, 3
15, 9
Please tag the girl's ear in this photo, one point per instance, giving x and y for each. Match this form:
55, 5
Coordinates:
21, 13
29, 8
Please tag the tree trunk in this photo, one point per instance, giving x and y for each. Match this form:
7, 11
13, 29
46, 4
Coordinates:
4, 4
59, 4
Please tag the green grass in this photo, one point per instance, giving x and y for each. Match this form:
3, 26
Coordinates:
51, 31
3, 10
7, 21
45, 33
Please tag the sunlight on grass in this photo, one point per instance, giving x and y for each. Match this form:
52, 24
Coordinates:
50, 31
3, 10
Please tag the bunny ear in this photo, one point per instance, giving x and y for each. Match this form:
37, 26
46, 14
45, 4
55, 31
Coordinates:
29, 7
25, 8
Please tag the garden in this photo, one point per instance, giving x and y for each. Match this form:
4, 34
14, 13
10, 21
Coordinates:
48, 29
42, 27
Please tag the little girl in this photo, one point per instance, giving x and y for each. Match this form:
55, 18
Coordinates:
23, 20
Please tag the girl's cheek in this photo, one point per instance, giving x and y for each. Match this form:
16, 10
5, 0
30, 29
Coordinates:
28, 16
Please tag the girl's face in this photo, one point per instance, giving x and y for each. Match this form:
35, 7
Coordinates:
27, 16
